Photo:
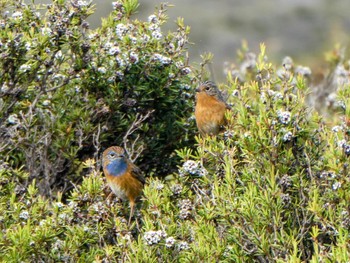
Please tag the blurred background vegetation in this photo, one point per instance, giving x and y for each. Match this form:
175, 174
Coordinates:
302, 29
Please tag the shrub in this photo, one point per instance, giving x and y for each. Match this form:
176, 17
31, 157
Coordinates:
68, 92
272, 188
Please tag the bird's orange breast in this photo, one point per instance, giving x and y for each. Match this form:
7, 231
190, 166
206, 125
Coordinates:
209, 113
125, 186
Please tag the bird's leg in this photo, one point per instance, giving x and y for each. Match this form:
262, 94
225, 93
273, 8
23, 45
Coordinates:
132, 206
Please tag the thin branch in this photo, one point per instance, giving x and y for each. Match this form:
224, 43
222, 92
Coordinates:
131, 151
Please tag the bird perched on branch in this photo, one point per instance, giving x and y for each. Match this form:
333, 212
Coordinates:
210, 108
124, 178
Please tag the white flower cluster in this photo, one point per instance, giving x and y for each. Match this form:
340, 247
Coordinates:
159, 186
274, 95
17, 15
287, 137
176, 189
24, 215
24, 68
154, 237
337, 128
284, 117
121, 30
153, 19
185, 209
113, 50
193, 168
13, 119
117, 5
336, 186
343, 144
162, 59
170, 242
183, 245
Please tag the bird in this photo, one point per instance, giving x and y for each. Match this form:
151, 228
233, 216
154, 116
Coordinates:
210, 108
123, 177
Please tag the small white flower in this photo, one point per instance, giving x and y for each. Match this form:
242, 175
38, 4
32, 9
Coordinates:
28, 45
157, 34
275, 95
337, 128
202, 172
179, 64
287, 137
58, 245
82, 3
145, 38
13, 119
92, 36
17, 15
42, 222
176, 189
46, 31
120, 61
134, 57
102, 70
346, 148
153, 237
159, 186
24, 215
114, 50
4, 87
117, 5
107, 46
186, 70
154, 27
284, 116
336, 185
59, 204
162, 59
235, 93
63, 216
190, 166
59, 55
153, 19
181, 42
133, 40
341, 143
119, 74
46, 103
304, 71
170, 242
121, 30
183, 245
24, 68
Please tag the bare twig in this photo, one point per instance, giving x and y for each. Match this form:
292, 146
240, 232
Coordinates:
132, 152
96, 143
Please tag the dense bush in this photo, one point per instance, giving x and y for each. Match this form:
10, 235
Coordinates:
274, 187
67, 92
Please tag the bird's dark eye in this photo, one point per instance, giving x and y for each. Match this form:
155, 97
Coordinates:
207, 88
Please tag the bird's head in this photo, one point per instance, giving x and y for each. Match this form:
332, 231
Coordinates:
209, 88
114, 160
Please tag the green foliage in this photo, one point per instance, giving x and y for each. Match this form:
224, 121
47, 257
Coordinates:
274, 187
68, 92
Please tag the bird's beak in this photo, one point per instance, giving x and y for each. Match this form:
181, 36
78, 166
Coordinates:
198, 89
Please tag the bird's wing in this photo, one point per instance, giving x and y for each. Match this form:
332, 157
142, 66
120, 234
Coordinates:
137, 173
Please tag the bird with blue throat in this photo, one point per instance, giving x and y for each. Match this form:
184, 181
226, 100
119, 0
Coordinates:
124, 178
210, 109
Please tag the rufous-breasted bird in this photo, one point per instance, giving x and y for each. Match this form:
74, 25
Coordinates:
124, 178
210, 109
